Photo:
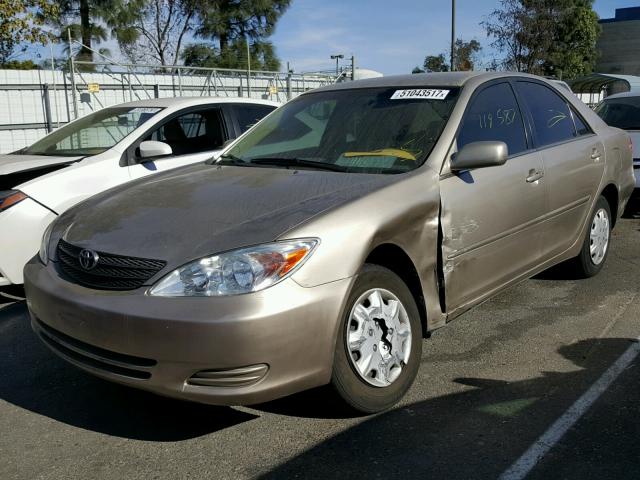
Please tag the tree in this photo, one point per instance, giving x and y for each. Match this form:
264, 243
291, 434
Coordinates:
466, 57
567, 47
466, 54
233, 56
573, 52
22, 21
229, 20
20, 65
435, 63
152, 31
83, 18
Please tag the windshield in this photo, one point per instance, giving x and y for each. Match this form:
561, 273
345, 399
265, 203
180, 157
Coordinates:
621, 112
92, 134
376, 130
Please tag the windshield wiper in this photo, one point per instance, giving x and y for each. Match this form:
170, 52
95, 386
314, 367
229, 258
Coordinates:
297, 162
229, 158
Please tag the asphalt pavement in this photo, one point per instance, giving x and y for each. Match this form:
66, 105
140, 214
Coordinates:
491, 383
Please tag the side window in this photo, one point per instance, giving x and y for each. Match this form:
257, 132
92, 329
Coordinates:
493, 114
249, 115
581, 127
551, 116
193, 132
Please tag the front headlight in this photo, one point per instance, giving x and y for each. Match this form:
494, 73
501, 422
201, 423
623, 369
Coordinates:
44, 244
240, 271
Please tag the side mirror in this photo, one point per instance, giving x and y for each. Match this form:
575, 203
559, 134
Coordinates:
152, 149
227, 143
480, 155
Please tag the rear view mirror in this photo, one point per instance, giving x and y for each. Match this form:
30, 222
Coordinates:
480, 155
152, 149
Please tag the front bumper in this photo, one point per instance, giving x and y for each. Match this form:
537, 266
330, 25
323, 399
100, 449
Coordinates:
158, 344
22, 227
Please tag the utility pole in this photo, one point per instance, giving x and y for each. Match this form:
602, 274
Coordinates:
453, 34
353, 67
337, 58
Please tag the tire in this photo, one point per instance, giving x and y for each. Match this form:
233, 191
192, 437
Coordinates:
370, 390
588, 264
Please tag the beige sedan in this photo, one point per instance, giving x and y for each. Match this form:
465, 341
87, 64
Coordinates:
331, 238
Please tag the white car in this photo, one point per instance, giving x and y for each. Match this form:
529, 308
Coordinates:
622, 110
102, 150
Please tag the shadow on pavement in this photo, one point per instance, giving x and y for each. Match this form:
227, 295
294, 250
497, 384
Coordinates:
633, 207
33, 378
474, 434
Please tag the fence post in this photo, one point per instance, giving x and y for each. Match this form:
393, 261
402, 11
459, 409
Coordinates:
47, 107
72, 68
156, 90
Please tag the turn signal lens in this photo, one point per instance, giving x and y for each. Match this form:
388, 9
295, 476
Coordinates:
240, 271
10, 198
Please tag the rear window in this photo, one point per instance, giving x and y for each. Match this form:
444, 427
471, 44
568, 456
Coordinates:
552, 118
621, 112
249, 115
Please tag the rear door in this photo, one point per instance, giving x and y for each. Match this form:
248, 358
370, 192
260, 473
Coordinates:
491, 217
574, 160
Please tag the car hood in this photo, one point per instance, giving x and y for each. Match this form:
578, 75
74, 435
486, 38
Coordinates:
18, 169
22, 163
203, 209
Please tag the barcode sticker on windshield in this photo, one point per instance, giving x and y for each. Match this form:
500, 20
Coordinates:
423, 93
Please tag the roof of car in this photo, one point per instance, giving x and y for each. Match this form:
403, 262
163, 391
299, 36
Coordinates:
194, 101
632, 93
417, 80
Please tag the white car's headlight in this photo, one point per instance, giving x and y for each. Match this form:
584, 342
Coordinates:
44, 244
239, 271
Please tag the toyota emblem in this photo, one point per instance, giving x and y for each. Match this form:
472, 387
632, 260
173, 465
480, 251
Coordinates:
88, 259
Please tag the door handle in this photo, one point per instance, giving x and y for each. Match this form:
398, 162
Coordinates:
595, 155
534, 175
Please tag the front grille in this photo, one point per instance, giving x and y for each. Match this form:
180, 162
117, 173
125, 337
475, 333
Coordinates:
112, 272
93, 357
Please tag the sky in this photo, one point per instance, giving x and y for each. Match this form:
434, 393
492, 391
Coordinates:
390, 36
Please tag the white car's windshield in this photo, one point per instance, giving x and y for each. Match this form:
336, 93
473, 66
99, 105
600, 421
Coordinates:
94, 133
372, 130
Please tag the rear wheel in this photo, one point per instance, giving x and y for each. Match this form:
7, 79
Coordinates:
595, 247
379, 342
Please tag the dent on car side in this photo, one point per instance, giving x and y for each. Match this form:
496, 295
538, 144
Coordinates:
207, 209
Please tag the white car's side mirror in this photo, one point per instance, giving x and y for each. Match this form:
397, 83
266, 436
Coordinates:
151, 149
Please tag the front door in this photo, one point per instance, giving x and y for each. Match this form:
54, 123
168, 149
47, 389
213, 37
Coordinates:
194, 136
491, 217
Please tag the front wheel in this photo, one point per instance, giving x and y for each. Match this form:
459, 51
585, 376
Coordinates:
379, 342
596, 243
